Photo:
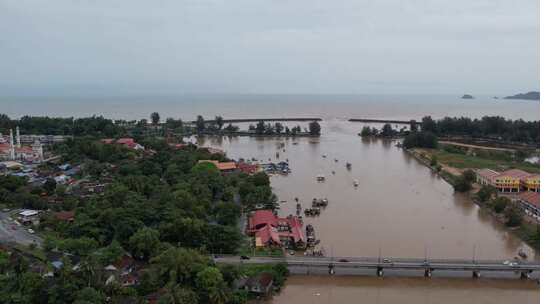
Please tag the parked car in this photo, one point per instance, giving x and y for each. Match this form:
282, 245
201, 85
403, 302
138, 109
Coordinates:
31, 231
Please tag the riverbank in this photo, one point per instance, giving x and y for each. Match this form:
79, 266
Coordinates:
450, 173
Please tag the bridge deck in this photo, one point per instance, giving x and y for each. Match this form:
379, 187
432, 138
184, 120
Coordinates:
392, 263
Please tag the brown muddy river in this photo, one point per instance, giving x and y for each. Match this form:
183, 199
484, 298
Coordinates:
399, 209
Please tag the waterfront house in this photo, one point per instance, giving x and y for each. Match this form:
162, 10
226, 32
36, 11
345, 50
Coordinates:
530, 202
270, 230
532, 183
509, 181
260, 284
222, 166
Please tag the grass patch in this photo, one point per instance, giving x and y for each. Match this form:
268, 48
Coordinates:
463, 161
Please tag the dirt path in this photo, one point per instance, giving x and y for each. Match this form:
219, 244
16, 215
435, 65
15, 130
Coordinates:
475, 146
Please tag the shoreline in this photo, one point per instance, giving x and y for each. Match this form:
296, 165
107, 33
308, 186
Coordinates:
448, 177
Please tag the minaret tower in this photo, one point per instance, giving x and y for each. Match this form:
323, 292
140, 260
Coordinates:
18, 138
11, 145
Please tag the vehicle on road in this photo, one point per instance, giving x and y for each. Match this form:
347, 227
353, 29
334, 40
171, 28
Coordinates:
31, 231
387, 261
244, 257
506, 263
343, 260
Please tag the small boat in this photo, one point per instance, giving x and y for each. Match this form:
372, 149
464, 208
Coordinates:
324, 155
333, 172
348, 166
336, 160
356, 183
320, 178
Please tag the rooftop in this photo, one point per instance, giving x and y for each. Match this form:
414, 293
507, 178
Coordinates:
516, 173
487, 173
530, 197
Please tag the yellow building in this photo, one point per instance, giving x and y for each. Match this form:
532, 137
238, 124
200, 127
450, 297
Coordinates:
510, 180
532, 183
513, 180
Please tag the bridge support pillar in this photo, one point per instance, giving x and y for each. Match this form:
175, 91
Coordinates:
524, 275
476, 274
428, 272
331, 269
380, 271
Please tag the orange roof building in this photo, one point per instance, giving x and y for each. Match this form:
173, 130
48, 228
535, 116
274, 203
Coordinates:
513, 180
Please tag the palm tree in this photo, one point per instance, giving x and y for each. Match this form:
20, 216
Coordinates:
218, 295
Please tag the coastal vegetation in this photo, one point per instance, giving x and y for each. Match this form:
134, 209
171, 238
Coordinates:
161, 207
493, 127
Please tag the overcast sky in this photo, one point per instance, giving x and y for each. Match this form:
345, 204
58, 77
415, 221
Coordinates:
270, 46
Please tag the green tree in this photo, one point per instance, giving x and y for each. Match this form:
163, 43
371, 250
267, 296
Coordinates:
219, 122
89, 295
513, 214
461, 184
469, 175
366, 131
179, 295
433, 161
260, 179
429, 125
387, 130
154, 117
485, 193
212, 286
278, 127
260, 127
200, 123
144, 242
314, 128
500, 203
49, 185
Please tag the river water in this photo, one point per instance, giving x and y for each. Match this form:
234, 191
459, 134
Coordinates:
399, 209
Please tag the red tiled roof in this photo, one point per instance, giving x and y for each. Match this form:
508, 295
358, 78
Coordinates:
267, 234
262, 217
125, 141
65, 215
246, 167
221, 166
124, 262
226, 166
516, 173
530, 197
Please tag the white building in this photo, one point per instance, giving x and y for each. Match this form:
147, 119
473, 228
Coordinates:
14, 150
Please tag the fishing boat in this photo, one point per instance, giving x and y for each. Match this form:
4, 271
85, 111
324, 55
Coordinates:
348, 166
324, 155
320, 178
312, 212
356, 183
318, 202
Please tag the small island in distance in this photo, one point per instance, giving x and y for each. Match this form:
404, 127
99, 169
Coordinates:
467, 96
527, 96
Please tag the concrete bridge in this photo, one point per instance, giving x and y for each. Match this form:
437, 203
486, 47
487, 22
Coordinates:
333, 265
